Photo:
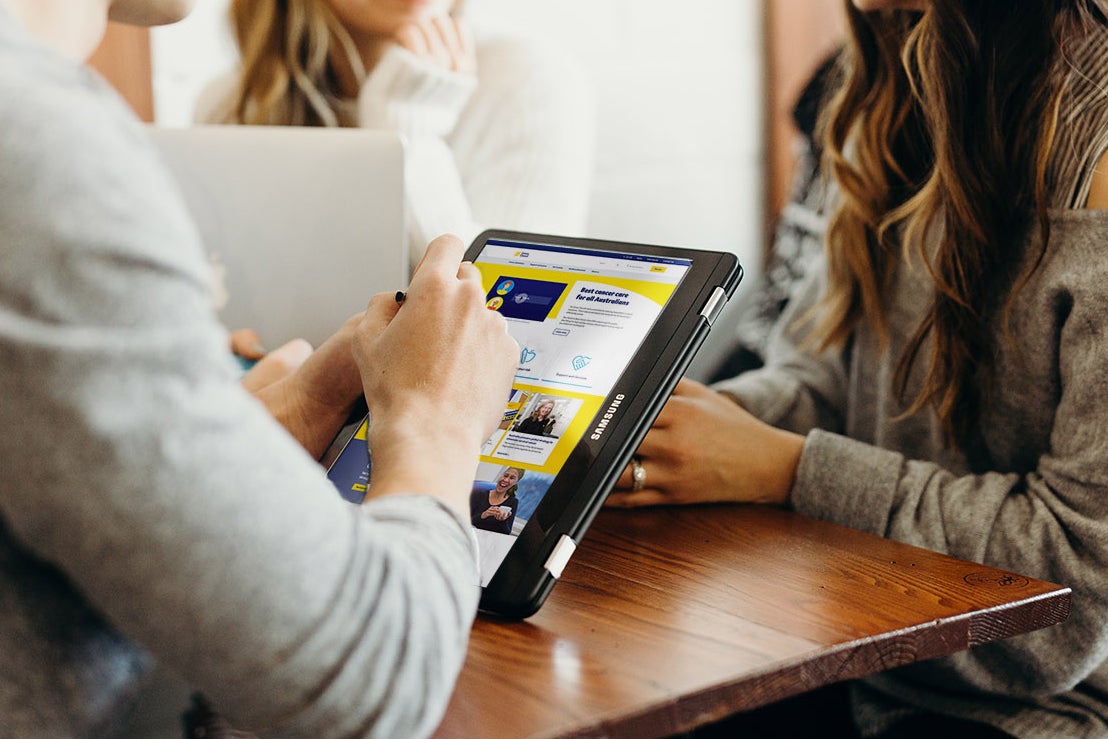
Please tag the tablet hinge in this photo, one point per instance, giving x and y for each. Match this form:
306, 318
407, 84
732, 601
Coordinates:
715, 304
558, 558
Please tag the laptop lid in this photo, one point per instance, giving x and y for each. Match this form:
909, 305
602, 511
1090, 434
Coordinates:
302, 225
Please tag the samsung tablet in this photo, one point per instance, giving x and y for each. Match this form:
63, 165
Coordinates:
605, 331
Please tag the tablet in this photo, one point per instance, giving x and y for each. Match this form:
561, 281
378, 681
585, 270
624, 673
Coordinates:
605, 331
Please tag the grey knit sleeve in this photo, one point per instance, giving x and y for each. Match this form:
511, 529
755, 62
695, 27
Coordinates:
133, 462
1038, 504
798, 390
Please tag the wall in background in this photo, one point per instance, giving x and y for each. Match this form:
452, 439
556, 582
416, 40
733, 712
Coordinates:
679, 98
679, 95
186, 56
800, 34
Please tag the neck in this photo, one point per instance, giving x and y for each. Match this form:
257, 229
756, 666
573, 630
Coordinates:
72, 27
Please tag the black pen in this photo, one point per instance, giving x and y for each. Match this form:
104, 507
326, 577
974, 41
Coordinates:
401, 296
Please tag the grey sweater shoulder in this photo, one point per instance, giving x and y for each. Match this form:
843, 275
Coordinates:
149, 508
1030, 497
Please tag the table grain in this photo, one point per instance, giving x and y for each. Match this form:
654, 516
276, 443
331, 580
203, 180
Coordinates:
670, 618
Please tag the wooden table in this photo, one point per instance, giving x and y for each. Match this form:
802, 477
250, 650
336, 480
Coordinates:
667, 619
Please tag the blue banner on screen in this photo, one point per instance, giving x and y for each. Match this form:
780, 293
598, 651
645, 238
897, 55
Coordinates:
527, 300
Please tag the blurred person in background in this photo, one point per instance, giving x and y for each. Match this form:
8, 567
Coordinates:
498, 131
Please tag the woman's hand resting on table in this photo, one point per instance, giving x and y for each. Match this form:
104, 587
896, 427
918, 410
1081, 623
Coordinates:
704, 448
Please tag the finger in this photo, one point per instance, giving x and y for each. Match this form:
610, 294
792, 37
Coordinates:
442, 254
277, 365
626, 478
448, 31
246, 343
437, 49
470, 278
447, 34
655, 445
684, 385
467, 47
677, 404
677, 408
467, 271
644, 497
412, 38
652, 472
692, 388
379, 313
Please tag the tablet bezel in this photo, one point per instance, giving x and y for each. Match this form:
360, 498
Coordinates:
521, 583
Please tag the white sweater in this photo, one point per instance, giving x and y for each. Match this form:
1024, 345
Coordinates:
514, 150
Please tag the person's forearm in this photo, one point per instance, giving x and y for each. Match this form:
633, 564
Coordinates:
440, 463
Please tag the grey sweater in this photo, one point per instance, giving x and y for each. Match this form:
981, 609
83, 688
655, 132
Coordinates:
149, 508
1032, 496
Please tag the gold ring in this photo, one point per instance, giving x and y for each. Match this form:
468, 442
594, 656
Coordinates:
638, 475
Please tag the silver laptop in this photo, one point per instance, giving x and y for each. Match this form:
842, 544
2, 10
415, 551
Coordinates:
302, 225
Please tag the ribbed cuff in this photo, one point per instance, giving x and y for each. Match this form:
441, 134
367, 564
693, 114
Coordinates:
413, 96
768, 396
846, 482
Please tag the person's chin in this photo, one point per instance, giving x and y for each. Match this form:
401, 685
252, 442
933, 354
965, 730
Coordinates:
149, 12
422, 10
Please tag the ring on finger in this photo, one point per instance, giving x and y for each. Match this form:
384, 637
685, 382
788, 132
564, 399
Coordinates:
638, 475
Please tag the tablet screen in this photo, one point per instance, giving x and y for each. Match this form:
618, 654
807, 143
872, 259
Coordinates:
579, 316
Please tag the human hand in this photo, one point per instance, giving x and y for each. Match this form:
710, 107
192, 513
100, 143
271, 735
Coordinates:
501, 512
442, 39
704, 447
246, 343
436, 372
311, 393
275, 365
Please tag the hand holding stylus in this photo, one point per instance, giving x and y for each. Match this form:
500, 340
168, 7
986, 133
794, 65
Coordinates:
436, 368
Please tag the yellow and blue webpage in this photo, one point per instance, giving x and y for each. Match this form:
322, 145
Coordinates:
579, 316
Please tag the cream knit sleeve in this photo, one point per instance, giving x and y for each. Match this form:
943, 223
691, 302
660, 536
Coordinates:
512, 149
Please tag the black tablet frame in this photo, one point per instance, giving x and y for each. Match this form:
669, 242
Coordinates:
522, 583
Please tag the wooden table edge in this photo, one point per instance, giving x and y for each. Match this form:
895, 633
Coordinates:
847, 661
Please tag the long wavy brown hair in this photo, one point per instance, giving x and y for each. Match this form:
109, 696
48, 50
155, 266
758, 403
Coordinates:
294, 56
939, 139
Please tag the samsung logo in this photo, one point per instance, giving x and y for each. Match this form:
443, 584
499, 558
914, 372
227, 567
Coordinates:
606, 418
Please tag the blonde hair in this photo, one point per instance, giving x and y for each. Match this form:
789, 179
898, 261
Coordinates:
939, 140
293, 54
